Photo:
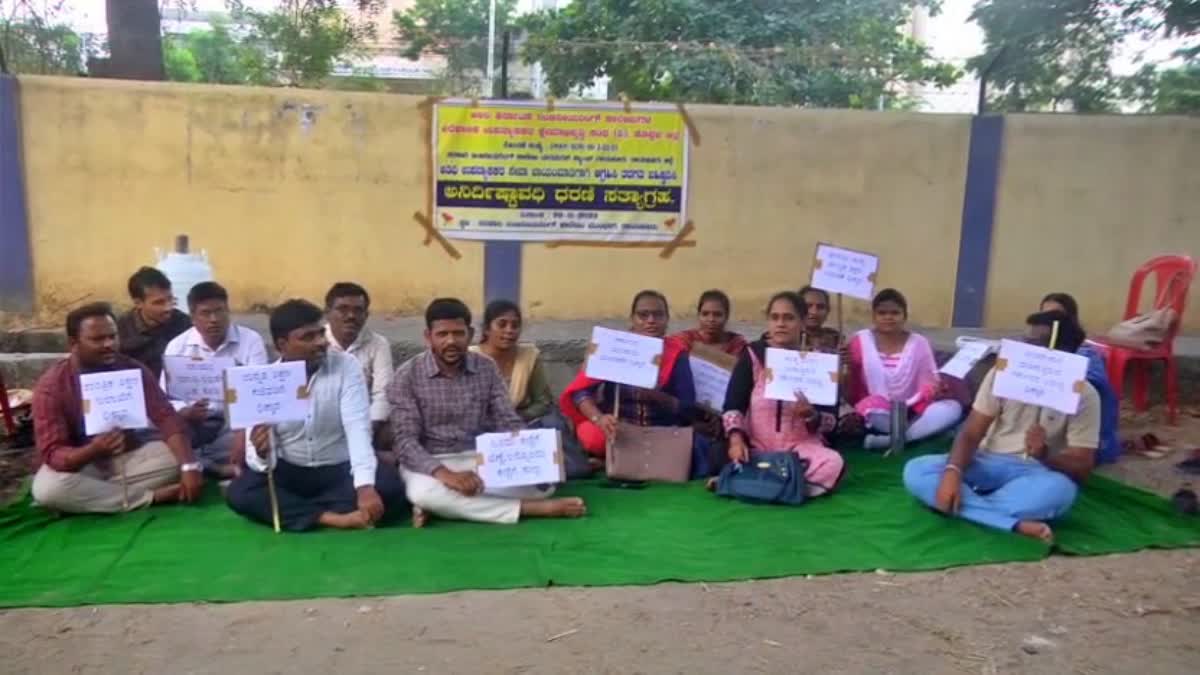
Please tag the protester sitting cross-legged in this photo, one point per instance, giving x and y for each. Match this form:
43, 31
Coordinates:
213, 335
116, 470
590, 403
817, 337
712, 314
324, 467
754, 422
347, 308
1015, 466
1097, 375
442, 399
892, 368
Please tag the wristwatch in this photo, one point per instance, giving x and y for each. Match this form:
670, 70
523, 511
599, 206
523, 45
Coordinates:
191, 466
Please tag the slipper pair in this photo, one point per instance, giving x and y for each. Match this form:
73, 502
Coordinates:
1185, 501
1192, 464
1148, 446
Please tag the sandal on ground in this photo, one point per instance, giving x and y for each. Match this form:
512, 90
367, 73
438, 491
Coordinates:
1148, 446
1185, 502
1191, 466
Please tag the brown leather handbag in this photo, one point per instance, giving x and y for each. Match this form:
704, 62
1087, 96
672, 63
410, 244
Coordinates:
650, 454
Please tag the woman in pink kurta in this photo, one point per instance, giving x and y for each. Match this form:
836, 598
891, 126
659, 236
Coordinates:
752, 421
888, 363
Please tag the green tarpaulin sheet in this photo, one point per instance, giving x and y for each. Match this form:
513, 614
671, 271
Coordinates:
661, 533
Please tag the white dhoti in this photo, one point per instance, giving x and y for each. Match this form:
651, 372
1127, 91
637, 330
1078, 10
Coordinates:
501, 505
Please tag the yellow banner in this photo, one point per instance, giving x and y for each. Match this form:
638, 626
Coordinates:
515, 170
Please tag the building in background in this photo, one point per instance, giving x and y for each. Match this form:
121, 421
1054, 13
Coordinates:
383, 61
952, 37
530, 78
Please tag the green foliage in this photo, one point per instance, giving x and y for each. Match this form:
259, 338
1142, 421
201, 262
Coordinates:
32, 47
1058, 54
455, 29
302, 40
34, 40
1172, 91
1178, 90
214, 56
179, 61
826, 53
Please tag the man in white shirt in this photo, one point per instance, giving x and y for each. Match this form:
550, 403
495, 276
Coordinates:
347, 307
212, 336
324, 467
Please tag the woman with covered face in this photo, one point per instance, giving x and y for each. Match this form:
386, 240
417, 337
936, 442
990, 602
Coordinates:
893, 369
1097, 376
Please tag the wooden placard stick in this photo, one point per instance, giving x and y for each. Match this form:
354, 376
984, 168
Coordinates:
274, 498
616, 412
843, 367
1042, 410
123, 460
271, 493
841, 327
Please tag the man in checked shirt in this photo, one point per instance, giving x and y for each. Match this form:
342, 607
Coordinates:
441, 400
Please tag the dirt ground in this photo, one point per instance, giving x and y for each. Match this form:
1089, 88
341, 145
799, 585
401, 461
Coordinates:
1136, 613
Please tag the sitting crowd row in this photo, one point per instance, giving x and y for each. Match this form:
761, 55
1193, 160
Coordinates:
378, 441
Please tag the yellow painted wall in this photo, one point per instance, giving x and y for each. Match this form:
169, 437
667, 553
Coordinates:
288, 190
767, 184
1084, 201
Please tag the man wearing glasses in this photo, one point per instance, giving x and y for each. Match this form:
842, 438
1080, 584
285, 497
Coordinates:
347, 306
212, 336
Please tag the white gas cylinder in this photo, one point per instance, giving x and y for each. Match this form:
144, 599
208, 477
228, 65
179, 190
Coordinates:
183, 268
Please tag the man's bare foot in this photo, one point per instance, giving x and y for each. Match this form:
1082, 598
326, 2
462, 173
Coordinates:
563, 507
355, 520
419, 517
167, 495
1036, 529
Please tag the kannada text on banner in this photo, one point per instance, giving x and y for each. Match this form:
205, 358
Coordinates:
510, 170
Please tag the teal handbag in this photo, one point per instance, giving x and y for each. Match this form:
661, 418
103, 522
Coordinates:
768, 478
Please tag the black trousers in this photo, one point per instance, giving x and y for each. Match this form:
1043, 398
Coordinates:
305, 493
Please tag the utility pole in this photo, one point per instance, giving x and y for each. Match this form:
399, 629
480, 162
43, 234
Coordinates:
489, 85
504, 46
981, 107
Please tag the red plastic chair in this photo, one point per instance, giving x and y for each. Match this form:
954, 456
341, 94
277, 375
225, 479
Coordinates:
1164, 269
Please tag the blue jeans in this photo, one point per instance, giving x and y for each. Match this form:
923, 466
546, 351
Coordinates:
998, 490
